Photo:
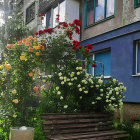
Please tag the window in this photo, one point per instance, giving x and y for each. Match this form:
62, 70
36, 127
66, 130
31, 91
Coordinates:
103, 64
138, 58
30, 13
136, 3
59, 10
98, 10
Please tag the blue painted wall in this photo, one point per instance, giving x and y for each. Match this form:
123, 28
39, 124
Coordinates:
122, 44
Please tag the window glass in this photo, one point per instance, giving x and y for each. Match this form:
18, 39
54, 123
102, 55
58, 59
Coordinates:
30, 13
110, 8
99, 13
90, 14
138, 58
55, 12
102, 59
48, 18
62, 11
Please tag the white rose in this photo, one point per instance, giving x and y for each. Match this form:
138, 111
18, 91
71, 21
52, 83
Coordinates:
98, 98
80, 68
100, 81
91, 86
114, 80
81, 97
79, 86
116, 89
58, 93
68, 79
86, 92
60, 74
61, 78
62, 83
72, 79
65, 106
97, 86
101, 95
61, 98
101, 90
107, 100
80, 89
69, 84
78, 73
77, 68
57, 88
117, 93
93, 103
75, 78
124, 89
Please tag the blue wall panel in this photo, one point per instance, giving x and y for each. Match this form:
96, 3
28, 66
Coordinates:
122, 57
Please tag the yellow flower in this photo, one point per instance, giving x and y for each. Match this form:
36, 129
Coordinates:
8, 66
22, 57
35, 119
14, 116
15, 101
1, 66
30, 74
37, 53
36, 47
14, 91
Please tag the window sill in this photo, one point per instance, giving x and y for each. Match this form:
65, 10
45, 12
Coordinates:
105, 77
136, 75
101, 21
30, 21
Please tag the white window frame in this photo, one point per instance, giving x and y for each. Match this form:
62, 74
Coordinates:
137, 73
58, 5
106, 77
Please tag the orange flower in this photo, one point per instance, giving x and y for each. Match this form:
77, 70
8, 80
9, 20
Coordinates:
30, 74
37, 53
35, 88
9, 46
35, 39
26, 43
30, 38
23, 40
19, 42
30, 49
8, 66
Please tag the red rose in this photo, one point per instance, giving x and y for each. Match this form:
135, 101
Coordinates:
69, 34
75, 44
80, 47
41, 15
89, 46
94, 66
132, 119
41, 18
77, 30
118, 118
77, 22
41, 47
36, 33
49, 30
40, 32
35, 88
86, 51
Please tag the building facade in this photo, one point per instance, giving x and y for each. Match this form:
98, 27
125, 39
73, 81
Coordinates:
30, 12
113, 28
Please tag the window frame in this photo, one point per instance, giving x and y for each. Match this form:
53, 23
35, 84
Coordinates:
94, 12
93, 56
34, 3
136, 4
137, 73
57, 5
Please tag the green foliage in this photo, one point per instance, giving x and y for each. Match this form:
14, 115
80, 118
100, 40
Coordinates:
130, 126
